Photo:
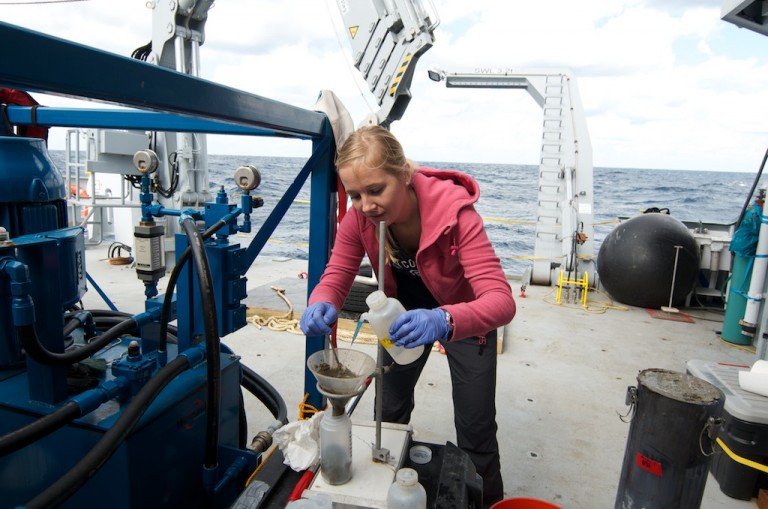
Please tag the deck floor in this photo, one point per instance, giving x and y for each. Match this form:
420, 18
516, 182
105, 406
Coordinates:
563, 378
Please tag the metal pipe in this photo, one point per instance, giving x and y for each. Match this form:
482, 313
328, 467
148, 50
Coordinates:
382, 258
378, 453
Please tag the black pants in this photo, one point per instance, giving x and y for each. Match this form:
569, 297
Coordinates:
472, 362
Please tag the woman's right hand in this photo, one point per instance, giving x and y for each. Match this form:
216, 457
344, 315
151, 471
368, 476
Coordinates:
318, 318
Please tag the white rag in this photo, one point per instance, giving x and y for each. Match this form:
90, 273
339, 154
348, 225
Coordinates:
299, 441
756, 379
338, 116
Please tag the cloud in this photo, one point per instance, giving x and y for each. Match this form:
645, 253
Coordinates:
663, 84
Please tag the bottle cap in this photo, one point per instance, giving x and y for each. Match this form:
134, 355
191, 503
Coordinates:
420, 454
407, 477
376, 300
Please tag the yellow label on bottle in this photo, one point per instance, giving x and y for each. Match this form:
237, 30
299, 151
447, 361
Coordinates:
386, 343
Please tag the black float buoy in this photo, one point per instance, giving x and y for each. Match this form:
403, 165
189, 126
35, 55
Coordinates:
636, 261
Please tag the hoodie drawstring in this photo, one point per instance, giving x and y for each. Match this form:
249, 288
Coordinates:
454, 246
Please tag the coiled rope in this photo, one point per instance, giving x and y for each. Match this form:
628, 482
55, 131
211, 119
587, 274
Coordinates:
283, 323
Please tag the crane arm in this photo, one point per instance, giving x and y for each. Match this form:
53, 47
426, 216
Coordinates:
388, 37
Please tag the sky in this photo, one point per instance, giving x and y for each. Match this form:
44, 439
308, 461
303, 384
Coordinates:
664, 85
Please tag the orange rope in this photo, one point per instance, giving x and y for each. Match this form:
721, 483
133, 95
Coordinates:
305, 409
264, 460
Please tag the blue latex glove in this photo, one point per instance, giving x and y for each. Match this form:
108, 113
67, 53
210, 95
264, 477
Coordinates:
418, 327
317, 319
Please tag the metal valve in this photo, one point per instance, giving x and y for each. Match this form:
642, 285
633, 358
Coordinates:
247, 177
146, 161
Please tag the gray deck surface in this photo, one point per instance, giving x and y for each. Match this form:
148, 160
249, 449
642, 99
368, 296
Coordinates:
562, 381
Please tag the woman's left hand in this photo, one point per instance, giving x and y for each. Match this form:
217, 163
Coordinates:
418, 327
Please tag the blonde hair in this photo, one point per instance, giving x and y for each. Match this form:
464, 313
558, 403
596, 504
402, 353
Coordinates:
373, 147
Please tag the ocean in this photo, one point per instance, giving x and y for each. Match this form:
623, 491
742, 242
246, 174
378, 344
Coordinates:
507, 202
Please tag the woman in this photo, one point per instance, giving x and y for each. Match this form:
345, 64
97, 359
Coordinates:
442, 268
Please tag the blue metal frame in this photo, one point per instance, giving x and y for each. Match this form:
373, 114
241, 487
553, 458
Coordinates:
318, 165
43, 63
101, 293
132, 119
322, 214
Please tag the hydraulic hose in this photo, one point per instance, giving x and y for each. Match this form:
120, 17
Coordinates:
101, 313
170, 288
58, 492
266, 393
22, 437
106, 319
74, 321
107, 323
38, 352
212, 342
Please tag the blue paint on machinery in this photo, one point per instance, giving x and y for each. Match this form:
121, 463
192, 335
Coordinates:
106, 408
59, 406
139, 412
32, 197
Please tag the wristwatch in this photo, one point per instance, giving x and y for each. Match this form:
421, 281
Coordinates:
449, 323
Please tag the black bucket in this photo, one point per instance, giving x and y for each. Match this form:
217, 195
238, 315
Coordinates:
669, 445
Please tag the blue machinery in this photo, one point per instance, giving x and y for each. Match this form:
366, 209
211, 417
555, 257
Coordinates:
163, 426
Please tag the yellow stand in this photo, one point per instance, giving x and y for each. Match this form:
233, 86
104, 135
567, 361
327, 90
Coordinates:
579, 283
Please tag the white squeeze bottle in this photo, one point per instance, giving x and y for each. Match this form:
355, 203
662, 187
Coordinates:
382, 311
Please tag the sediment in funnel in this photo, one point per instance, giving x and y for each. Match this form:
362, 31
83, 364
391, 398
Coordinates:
340, 371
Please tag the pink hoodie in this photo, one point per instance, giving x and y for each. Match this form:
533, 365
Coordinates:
455, 258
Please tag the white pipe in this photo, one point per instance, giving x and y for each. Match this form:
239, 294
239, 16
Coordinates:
194, 65
757, 283
178, 49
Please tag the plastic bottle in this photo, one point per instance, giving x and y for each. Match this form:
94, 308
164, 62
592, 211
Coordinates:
336, 448
314, 501
406, 492
382, 311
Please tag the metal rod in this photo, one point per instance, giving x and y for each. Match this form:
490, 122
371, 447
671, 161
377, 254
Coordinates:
380, 454
382, 258
670, 309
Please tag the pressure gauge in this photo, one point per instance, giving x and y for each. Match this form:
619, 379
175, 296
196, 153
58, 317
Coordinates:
146, 161
247, 177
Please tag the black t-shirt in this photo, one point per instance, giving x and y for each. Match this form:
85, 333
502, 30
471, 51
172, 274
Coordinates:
411, 291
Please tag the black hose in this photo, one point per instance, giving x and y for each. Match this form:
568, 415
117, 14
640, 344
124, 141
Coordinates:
99, 313
104, 324
71, 324
165, 311
752, 190
266, 393
572, 264
58, 492
44, 426
104, 320
38, 352
242, 421
212, 342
